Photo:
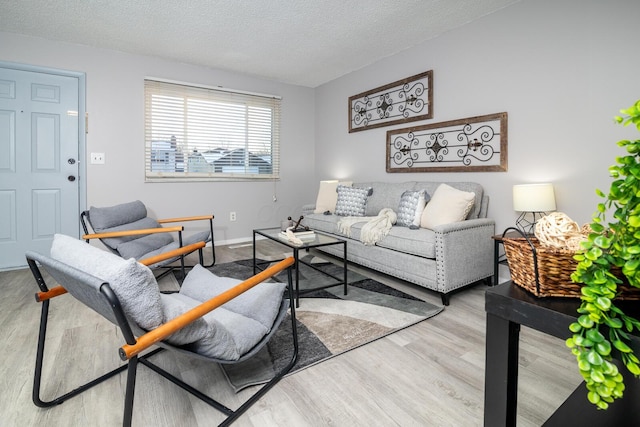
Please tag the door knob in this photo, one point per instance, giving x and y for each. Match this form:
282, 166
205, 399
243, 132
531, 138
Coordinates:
71, 178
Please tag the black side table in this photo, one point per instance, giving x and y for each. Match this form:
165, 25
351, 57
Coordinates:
508, 307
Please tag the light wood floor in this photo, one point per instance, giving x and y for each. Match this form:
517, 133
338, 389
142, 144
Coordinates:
430, 374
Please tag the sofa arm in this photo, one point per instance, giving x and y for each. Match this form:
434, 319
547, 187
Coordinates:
308, 209
464, 253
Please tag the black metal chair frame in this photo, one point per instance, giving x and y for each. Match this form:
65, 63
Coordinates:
128, 329
86, 223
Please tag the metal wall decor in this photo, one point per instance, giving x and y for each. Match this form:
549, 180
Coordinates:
403, 101
475, 144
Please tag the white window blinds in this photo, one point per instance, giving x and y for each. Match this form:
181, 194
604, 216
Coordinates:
200, 133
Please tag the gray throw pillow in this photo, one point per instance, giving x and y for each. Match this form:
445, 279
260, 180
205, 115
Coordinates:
410, 209
352, 201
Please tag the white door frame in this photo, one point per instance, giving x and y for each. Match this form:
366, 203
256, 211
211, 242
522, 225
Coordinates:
82, 154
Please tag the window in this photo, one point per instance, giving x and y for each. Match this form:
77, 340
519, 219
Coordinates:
209, 134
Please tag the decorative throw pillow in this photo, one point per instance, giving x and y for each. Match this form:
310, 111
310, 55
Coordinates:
328, 196
447, 205
352, 201
410, 209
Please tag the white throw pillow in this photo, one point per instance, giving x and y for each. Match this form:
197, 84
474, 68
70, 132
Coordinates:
447, 205
328, 196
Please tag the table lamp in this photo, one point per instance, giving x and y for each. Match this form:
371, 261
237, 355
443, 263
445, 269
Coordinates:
533, 201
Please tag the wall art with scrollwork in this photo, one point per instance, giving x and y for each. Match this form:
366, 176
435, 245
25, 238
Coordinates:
403, 101
475, 144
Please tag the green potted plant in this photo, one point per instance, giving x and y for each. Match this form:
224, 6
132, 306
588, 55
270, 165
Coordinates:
611, 254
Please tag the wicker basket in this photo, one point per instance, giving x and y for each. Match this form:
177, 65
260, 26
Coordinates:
553, 270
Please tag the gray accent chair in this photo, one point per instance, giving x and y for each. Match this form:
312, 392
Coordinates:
216, 319
128, 231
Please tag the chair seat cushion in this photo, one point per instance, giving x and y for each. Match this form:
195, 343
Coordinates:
231, 330
229, 335
260, 303
133, 283
140, 247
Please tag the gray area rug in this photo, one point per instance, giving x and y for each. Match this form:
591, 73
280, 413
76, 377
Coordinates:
329, 323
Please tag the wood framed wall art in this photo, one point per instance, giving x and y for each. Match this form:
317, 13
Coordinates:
474, 144
406, 100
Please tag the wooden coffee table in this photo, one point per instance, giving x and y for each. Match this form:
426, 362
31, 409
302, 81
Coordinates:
320, 240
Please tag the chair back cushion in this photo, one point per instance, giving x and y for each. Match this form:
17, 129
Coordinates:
113, 216
133, 283
128, 216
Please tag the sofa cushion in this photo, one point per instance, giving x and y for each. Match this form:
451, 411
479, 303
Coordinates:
385, 195
447, 205
328, 196
410, 208
320, 222
421, 242
352, 201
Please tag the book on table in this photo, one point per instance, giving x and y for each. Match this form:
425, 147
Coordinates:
302, 235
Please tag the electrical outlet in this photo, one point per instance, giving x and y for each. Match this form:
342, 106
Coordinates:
97, 158
232, 216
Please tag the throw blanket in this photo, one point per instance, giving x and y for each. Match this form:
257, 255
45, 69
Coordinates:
374, 230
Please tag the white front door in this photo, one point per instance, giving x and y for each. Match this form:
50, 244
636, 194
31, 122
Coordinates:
39, 158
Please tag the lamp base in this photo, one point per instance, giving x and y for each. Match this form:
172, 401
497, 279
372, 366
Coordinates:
526, 222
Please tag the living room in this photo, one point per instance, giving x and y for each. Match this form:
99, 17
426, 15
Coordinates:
558, 68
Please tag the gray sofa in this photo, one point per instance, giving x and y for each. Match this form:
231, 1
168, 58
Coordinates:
443, 259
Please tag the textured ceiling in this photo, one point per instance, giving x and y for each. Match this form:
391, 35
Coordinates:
302, 42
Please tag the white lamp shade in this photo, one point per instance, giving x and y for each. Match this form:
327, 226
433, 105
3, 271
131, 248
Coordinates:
534, 198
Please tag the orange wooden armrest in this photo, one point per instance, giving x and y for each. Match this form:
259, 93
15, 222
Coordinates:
172, 254
132, 232
186, 218
161, 332
51, 293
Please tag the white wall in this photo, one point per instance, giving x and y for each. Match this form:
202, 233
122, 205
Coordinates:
115, 103
561, 69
